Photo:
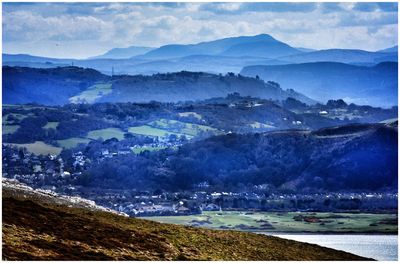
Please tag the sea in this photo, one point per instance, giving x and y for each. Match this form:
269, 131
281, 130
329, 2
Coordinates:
378, 247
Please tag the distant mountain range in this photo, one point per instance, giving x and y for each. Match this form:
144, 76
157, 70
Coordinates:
219, 56
350, 56
376, 85
73, 84
391, 49
256, 46
240, 54
128, 52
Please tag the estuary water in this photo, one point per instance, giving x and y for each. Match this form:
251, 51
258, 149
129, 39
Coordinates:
379, 247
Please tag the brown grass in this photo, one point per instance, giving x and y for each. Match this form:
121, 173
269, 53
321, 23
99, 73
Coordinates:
38, 231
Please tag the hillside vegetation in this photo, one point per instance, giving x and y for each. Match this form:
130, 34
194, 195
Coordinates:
79, 85
354, 157
35, 230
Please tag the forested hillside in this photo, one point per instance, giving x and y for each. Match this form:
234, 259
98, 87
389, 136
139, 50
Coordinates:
79, 85
355, 157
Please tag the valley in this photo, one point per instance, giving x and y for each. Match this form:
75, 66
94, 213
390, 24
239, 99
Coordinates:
203, 146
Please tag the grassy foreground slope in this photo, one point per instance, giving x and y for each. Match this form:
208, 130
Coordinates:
35, 230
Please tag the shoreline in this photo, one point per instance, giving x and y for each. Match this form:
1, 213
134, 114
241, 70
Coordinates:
329, 233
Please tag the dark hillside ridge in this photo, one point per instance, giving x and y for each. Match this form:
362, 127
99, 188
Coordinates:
46, 86
376, 86
41, 231
30, 85
361, 157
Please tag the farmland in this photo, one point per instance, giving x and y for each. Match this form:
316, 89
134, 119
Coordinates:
8, 129
92, 94
291, 222
72, 142
51, 125
106, 134
190, 114
181, 127
139, 150
150, 131
166, 127
39, 147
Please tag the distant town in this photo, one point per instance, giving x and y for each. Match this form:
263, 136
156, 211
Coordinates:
49, 173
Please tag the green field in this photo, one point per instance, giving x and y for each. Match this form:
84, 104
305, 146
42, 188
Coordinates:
38, 148
92, 94
181, 127
285, 222
18, 116
150, 131
10, 129
191, 114
259, 125
51, 125
72, 142
106, 134
146, 148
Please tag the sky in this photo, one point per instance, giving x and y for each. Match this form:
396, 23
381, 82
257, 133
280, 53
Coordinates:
80, 30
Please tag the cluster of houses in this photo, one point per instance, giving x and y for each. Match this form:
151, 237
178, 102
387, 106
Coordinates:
44, 171
50, 173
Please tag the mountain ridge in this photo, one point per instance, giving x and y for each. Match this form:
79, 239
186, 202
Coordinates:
127, 52
218, 47
349, 56
31, 85
375, 85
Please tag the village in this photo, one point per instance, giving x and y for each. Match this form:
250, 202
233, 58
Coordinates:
50, 173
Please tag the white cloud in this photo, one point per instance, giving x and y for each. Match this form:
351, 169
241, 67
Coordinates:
154, 24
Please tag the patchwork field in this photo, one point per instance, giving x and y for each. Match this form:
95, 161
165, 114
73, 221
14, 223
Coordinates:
291, 222
92, 94
138, 150
18, 117
181, 127
106, 134
190, 114
39, 147
9, 129
51, 125
72, 142
259, 125
150, 131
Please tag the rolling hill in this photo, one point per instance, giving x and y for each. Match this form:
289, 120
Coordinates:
359, 157
47, 86
376, 85
73, 84
37, 228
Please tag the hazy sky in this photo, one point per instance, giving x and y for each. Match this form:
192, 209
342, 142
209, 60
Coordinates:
87, 29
